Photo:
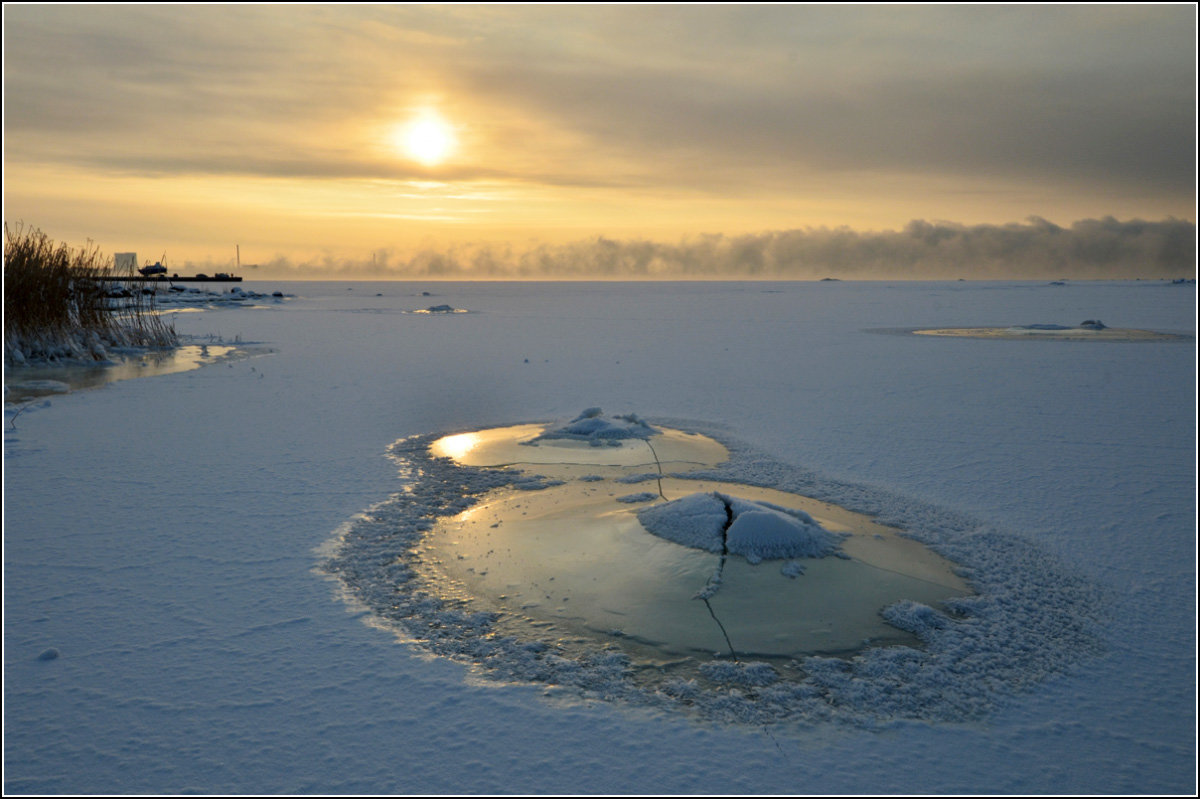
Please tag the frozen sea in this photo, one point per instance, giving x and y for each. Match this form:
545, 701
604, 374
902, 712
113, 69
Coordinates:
161, 534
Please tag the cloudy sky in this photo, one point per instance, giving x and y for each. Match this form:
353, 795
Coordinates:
339, 135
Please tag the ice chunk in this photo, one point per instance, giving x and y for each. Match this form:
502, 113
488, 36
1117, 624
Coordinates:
915, 617
592, 426
792, 569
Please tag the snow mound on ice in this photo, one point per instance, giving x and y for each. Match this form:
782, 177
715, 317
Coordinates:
762, 531
755, 530
598, 430
697, 521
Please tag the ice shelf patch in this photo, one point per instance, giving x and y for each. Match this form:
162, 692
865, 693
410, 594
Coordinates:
441, 562
1087, 330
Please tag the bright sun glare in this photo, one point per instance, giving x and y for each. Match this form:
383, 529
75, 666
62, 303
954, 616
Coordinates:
427, 138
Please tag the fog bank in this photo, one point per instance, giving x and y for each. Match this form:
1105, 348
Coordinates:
1088, 249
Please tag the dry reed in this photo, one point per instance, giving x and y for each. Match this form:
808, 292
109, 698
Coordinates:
57, 303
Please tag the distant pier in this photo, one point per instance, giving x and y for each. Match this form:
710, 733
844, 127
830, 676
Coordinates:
217, 278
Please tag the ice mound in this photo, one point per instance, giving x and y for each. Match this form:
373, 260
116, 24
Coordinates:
755, 530
598, 430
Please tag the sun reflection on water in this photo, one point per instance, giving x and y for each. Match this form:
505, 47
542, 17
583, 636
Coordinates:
455, 447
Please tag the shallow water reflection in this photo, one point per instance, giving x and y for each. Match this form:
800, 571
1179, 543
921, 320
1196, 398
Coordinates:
29, 382
505, 446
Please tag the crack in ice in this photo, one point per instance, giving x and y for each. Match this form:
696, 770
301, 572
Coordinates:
714, 582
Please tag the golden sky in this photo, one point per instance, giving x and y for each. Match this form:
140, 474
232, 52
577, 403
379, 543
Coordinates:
191, 129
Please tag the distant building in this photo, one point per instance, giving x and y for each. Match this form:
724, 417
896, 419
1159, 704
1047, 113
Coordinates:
125, 261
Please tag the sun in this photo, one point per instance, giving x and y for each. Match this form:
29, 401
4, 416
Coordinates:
427, 138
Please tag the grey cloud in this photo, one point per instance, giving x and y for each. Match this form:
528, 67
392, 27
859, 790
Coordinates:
310, 166
1045, 94
1037, 249
170, 76
705, 97
1123, 128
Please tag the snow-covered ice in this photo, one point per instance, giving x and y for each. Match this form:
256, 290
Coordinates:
161, 535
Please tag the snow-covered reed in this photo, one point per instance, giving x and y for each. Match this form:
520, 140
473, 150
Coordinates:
57, 304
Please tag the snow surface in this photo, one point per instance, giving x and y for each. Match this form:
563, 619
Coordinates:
167, 555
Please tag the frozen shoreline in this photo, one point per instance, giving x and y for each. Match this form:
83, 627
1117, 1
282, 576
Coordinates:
44, 378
